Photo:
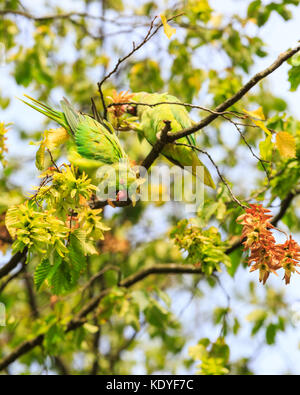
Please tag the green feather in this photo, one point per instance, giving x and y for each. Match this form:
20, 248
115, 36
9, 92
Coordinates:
152, 122
56, 116
95, 141
71, 115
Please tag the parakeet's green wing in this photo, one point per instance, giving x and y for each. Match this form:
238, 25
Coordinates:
94, 142
151, 122
72, 116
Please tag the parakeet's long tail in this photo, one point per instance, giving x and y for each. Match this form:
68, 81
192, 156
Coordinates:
204, 176
56, 116
71, 115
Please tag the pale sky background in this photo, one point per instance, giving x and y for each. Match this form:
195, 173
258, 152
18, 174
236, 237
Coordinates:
285, 356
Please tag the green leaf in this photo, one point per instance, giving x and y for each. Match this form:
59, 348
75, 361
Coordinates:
77, 257
271, 333
294, 77
91, 328
253, 8
60, 279
41, 273
156, 314
77, 251
54, 339
12, 220
197, 352
236, 258
266, 148
40, 156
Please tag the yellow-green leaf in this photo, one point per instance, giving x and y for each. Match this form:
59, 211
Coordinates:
257, 315
40, 156
266, 148
56, 137
286, 145
169, 30
258, 114
12, 220
91, 328
261, 125
197, 352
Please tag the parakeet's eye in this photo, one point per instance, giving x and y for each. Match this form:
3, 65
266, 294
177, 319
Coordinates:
132, 110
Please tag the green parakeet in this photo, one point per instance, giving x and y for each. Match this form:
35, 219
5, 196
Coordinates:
92, 144
151, 122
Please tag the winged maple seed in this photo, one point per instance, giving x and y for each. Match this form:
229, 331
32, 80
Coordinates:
122, 97
265, 255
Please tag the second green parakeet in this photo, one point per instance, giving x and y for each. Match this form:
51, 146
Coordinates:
151, 122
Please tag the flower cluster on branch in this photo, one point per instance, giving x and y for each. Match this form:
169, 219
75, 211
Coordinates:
266, 255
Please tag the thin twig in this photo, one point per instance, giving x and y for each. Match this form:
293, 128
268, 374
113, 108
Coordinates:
194, 106
100, 274
151, 32
95, 111
80, 318
31, 295
236, 97
53, 161
218, 171
250, 148
66, 15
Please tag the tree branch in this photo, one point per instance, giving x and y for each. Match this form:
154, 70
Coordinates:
158, 146
11, 278
285, 204
13, 263
61, 366
80, 318
151, 32
175, 103
31, 295
51, 17
24, 348
235, 98
234, 198
168, 268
